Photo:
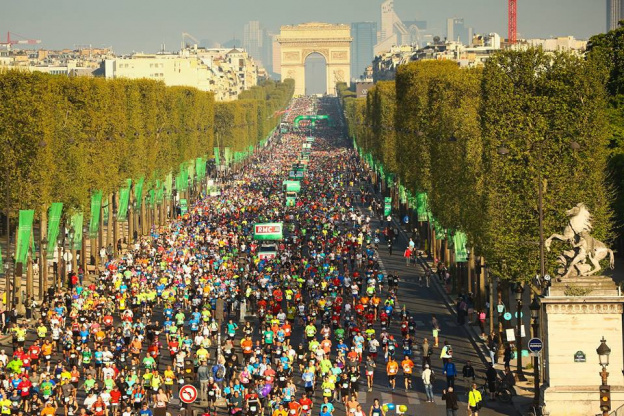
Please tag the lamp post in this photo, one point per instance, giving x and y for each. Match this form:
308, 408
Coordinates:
43, 268
8, 282
60, 264
72, 253
535, 309
83, 249
603, 352
519, 370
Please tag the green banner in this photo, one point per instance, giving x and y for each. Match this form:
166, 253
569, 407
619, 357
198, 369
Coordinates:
217, 156
96, 208
160, 191
440, 232
178, 182
228, 155
292, 186
151, 198
76, 224
138, 192
191, 171
169, 185
124, 199
183, 181
387, 206
200, 167
459, 242
24, 233
54, 223
422, 206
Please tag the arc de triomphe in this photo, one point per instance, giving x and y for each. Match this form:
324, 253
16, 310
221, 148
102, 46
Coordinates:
332, 41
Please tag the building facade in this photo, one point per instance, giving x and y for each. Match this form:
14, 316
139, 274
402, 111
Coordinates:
224, 72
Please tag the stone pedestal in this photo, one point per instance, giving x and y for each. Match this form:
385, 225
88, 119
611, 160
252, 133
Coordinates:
579, 312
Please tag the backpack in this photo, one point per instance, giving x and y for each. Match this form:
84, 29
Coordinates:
220, 372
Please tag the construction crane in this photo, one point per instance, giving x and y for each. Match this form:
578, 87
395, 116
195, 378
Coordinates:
188, 35
10, 41
511, 21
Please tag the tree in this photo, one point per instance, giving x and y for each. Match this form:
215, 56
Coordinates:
532, 101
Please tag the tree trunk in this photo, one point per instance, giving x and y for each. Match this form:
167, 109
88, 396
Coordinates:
109, 227
114, 214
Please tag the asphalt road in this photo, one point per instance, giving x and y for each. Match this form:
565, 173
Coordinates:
422, 302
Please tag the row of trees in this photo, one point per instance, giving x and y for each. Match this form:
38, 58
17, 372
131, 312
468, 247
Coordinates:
608, 50
476, 142
61, 138
64, 139
248, 120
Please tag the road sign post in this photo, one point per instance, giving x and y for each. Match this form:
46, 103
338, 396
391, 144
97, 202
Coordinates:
188, 393
535, 345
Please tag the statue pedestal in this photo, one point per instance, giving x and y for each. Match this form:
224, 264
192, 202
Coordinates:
579, 312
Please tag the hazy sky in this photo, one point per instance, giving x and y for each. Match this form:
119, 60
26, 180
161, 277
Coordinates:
142, 25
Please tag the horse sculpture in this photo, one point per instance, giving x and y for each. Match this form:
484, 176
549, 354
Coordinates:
584, 246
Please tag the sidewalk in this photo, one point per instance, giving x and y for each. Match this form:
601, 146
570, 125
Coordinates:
524, 400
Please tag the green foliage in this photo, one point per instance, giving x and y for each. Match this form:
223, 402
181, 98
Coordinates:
607, 50
62, 138
536, 105
449, 124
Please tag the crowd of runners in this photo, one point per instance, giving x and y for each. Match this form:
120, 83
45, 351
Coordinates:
319, 316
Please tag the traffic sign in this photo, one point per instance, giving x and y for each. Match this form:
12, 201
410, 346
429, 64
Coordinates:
188, 393
535, 345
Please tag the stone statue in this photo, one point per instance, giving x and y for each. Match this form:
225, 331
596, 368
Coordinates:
583, 246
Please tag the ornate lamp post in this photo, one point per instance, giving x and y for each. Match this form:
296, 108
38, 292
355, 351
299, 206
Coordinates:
518, 294
83, 249
43, 268
7, 289
60, 264
603, 352
535, 309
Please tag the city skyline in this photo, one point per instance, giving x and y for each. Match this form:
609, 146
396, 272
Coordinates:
143, 26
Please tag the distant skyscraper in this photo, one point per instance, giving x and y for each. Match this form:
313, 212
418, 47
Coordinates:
258, 44
615, 12
364, 36
456, 30
253, 38
393, 31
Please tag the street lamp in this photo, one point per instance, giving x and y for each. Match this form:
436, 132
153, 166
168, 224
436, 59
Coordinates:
518, 294
43, 268
534, 307
7, 290
83, 249
60, 264
603, 352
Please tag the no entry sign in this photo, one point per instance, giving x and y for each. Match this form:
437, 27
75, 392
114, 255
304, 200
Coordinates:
268, 231
188, 394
